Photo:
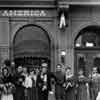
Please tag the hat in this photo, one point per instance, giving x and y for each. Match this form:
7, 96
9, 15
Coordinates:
44, 65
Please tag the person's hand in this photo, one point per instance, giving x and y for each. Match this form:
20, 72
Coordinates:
51, 92
64, 85
20, 80
1, 85
44, 88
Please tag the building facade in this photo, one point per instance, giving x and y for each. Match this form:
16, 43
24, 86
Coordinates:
55, 31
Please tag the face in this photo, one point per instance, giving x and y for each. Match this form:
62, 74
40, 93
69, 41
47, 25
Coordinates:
19, 69
94, 70
31, 72
58, 68
25, 70
5, 71
44, 70
37, 70
81, 72
68, 71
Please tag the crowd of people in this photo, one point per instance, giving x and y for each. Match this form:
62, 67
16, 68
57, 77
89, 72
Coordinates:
34, 84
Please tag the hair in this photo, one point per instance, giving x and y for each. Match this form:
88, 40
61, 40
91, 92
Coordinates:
7, 62
5, 68
95, 67
68, 68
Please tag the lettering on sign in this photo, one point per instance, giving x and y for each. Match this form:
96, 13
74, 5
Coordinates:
23, 13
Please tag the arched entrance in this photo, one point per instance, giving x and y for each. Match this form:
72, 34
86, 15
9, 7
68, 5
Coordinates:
31, 46
87, 49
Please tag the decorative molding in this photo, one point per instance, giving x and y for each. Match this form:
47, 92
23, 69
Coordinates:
28, 3
79, 3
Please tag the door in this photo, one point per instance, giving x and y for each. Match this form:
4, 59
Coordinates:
86, 59
31, 46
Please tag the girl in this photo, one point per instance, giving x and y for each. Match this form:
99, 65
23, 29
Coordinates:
33, 76
82, 87
27, 84
69, 85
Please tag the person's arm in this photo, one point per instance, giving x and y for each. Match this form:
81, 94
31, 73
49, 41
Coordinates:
38, 82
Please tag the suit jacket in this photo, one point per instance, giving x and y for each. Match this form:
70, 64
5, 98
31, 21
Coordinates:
40, 81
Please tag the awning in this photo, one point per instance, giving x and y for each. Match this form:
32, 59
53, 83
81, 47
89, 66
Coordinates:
31, 41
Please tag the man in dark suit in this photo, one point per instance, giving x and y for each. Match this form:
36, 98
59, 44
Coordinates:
18, 81
43, 82
60, 79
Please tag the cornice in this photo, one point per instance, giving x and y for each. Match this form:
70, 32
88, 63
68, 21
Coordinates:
78, 2
28, 3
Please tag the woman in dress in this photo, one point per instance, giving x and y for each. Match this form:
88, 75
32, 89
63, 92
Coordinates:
95, 84
27, 84
7, 85
82, 87
70, 85
33, 75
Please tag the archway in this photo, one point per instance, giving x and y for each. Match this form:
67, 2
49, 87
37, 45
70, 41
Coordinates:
31, 46
87, 49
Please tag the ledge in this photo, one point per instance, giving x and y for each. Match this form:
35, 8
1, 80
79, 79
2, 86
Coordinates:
28, 4
79, 3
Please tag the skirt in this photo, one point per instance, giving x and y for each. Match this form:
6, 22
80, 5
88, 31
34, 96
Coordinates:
98, 96
7, 97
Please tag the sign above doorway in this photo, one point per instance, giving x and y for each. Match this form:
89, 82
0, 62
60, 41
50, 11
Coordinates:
23, 13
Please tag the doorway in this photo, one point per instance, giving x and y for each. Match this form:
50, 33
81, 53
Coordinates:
31, 46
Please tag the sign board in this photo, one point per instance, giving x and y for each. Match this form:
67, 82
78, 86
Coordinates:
23, 13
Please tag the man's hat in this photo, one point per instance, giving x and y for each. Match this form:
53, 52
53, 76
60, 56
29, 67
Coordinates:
44, 65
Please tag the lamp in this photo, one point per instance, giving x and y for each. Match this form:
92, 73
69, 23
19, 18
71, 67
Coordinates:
62, 55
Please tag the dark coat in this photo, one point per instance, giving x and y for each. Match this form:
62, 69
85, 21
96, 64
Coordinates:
59, 90
43, 95
19, 94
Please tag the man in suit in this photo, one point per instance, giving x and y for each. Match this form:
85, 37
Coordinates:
60, 79
18, 81
43, 82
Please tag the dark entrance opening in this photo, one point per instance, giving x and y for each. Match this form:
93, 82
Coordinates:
87, 49
31, 46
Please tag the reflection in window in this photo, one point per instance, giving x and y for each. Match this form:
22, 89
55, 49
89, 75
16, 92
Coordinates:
88, 37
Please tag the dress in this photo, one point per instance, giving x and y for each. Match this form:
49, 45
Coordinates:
34, 88
83, 88
28, 87
7, 93
70, 88
94, 86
